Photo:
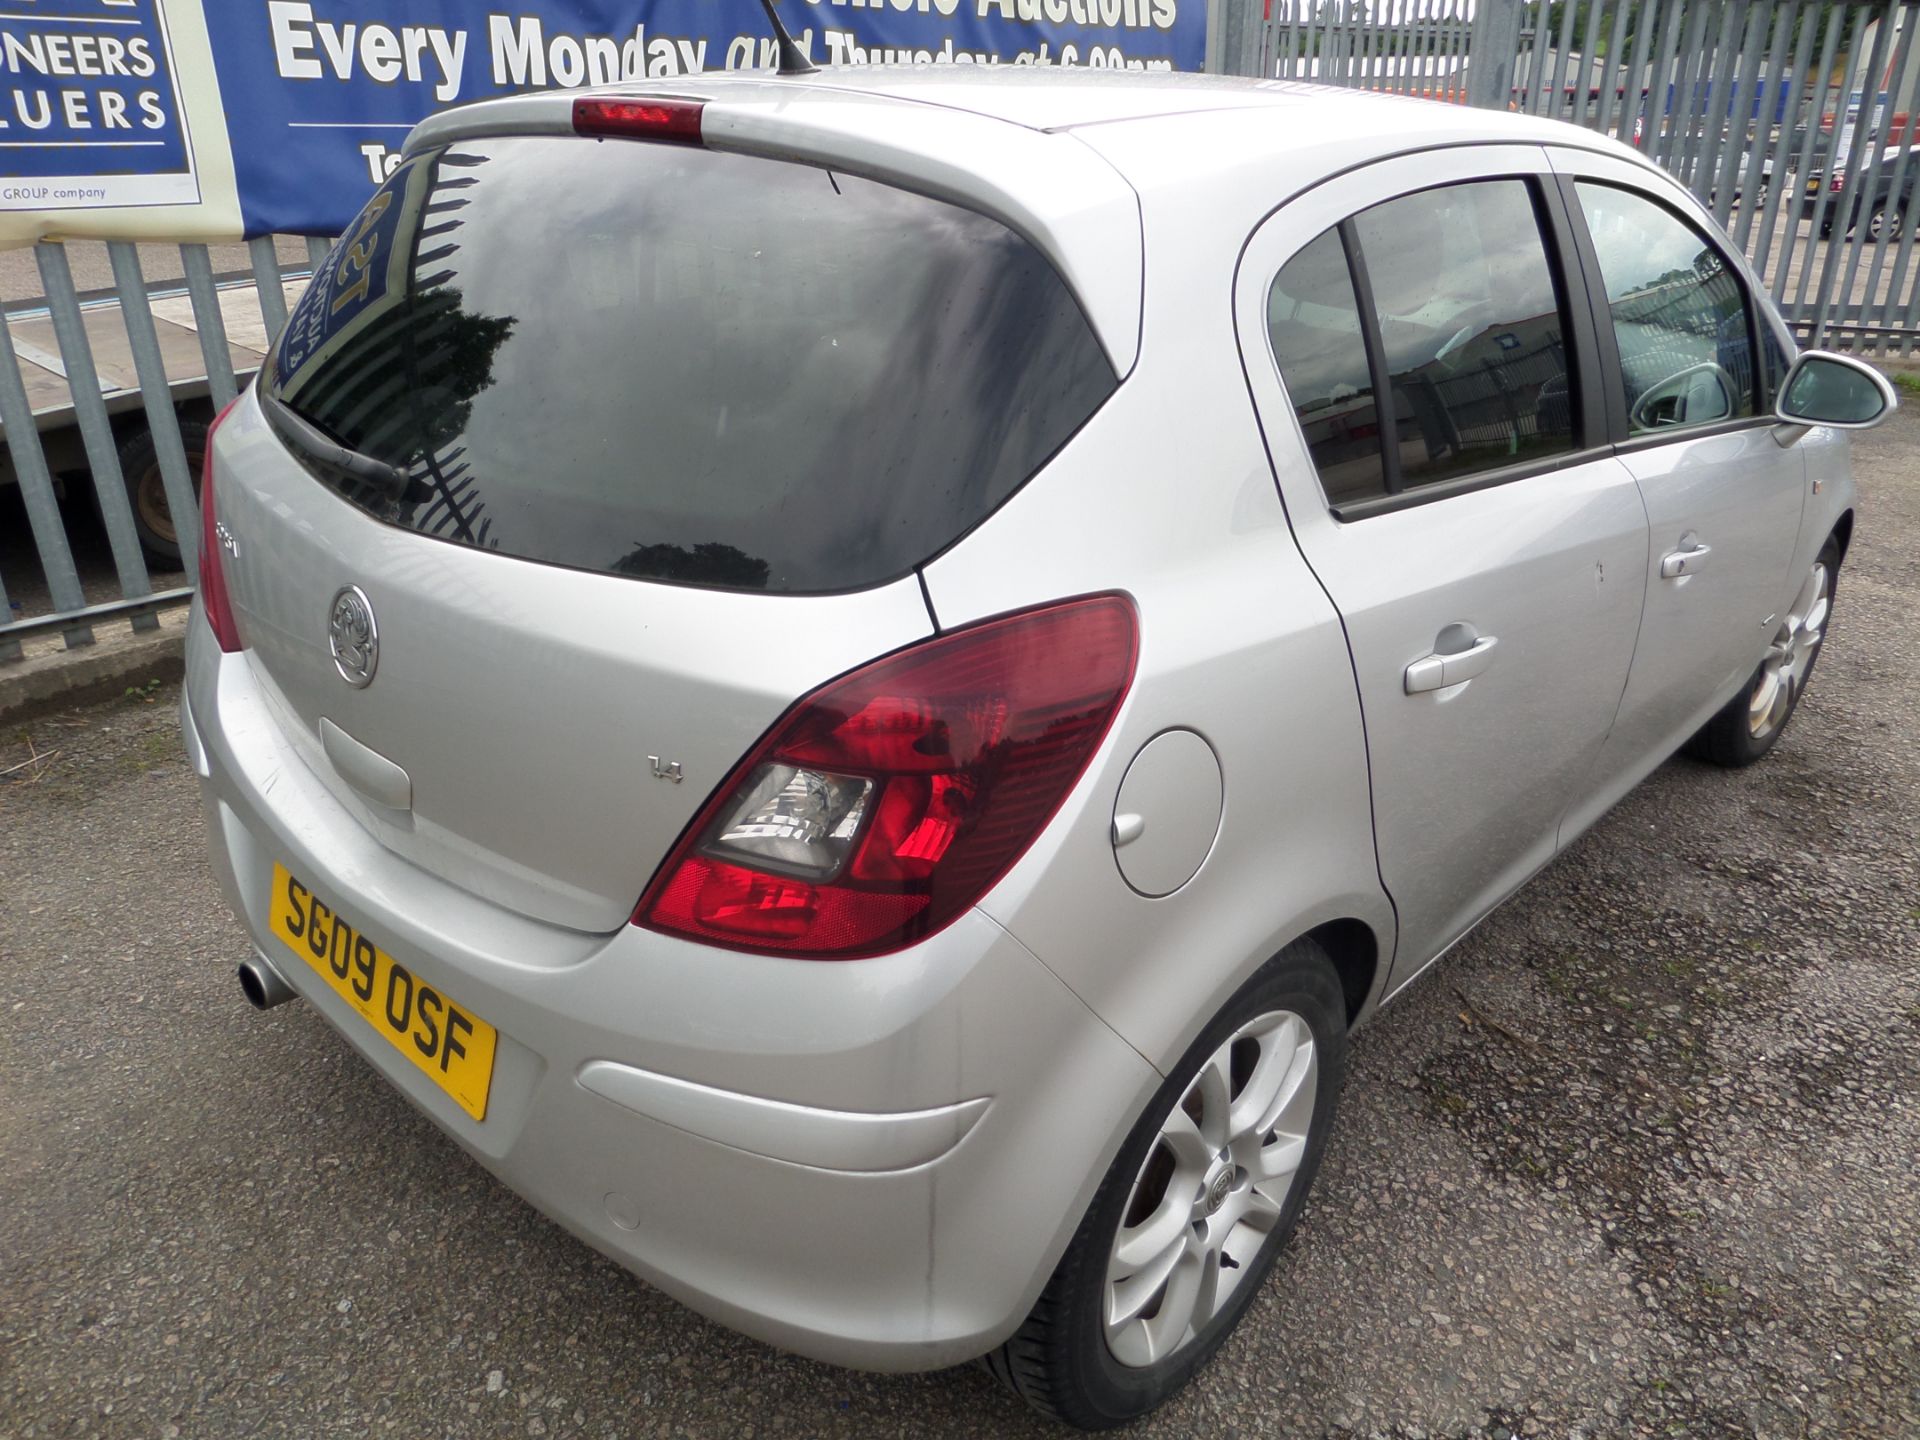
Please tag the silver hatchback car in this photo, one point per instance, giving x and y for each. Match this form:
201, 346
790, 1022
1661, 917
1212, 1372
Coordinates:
854, 681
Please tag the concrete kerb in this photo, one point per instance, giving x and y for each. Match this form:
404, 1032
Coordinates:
52, 677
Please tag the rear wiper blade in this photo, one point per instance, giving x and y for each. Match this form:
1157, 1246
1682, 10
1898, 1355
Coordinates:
317, 445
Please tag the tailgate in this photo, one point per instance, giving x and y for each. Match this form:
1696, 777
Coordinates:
524, 702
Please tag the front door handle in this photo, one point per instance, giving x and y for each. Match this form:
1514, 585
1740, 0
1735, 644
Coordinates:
1436, 672
1680, 563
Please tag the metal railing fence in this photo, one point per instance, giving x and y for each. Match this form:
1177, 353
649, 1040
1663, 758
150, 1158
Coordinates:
1755, 105
69, 402
1794, 120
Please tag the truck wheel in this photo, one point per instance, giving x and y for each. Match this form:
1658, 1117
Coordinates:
147, 491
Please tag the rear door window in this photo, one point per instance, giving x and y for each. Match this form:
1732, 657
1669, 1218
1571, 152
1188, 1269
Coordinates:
679, 364
1471, 330
1447, 302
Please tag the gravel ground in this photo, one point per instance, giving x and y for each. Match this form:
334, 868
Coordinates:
1638, 1158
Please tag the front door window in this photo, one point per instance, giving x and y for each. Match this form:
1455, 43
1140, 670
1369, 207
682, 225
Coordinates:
1679, 315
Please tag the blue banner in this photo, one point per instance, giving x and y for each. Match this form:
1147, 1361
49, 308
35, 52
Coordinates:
212, 119
92, 117
319, 94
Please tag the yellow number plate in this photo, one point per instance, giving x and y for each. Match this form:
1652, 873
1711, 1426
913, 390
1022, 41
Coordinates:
451, 1045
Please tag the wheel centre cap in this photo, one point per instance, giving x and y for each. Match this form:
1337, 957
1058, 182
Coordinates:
1217, 1190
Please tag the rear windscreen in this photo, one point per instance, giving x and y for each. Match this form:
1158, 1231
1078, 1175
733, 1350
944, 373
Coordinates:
678, 364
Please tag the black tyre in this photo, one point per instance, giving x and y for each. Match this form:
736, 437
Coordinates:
1197, 1206
1753, 721
147, 491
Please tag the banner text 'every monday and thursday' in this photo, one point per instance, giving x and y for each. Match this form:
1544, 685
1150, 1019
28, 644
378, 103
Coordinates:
210, 119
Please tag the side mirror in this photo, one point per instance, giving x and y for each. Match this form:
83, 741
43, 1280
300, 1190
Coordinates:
1823, 388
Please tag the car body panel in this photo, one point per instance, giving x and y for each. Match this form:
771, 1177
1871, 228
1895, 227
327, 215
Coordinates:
1740, 493
1469, 781
500, 683
903, 1268
954, 1105
1734, 488
1059, 98
1168, 494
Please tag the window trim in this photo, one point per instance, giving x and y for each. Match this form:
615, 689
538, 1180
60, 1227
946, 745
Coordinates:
1386, 416
1465, 484
1607, 417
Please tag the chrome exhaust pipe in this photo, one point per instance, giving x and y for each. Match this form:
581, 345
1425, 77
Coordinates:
262, 984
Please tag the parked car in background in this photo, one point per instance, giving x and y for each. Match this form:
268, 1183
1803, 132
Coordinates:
1882, 204
855, 683
1762, 187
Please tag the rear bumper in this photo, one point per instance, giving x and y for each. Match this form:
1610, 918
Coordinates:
873, 1163
1841, 209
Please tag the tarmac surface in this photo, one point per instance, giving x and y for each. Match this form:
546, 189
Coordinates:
1637, 1158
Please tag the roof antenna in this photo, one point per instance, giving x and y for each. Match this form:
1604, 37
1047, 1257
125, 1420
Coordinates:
793, 60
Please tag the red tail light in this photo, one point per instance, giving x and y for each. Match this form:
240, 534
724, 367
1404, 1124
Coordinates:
887, 802
213, 575
639, 119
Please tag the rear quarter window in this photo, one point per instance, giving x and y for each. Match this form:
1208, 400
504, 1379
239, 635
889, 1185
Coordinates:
683, 365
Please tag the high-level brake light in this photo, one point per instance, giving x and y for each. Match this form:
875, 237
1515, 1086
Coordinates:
676, 120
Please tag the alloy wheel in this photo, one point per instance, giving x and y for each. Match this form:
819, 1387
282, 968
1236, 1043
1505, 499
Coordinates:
1212, 1189
1784, 672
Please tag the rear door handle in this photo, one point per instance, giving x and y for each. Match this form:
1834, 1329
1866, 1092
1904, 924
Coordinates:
1436, 672
1679, 563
